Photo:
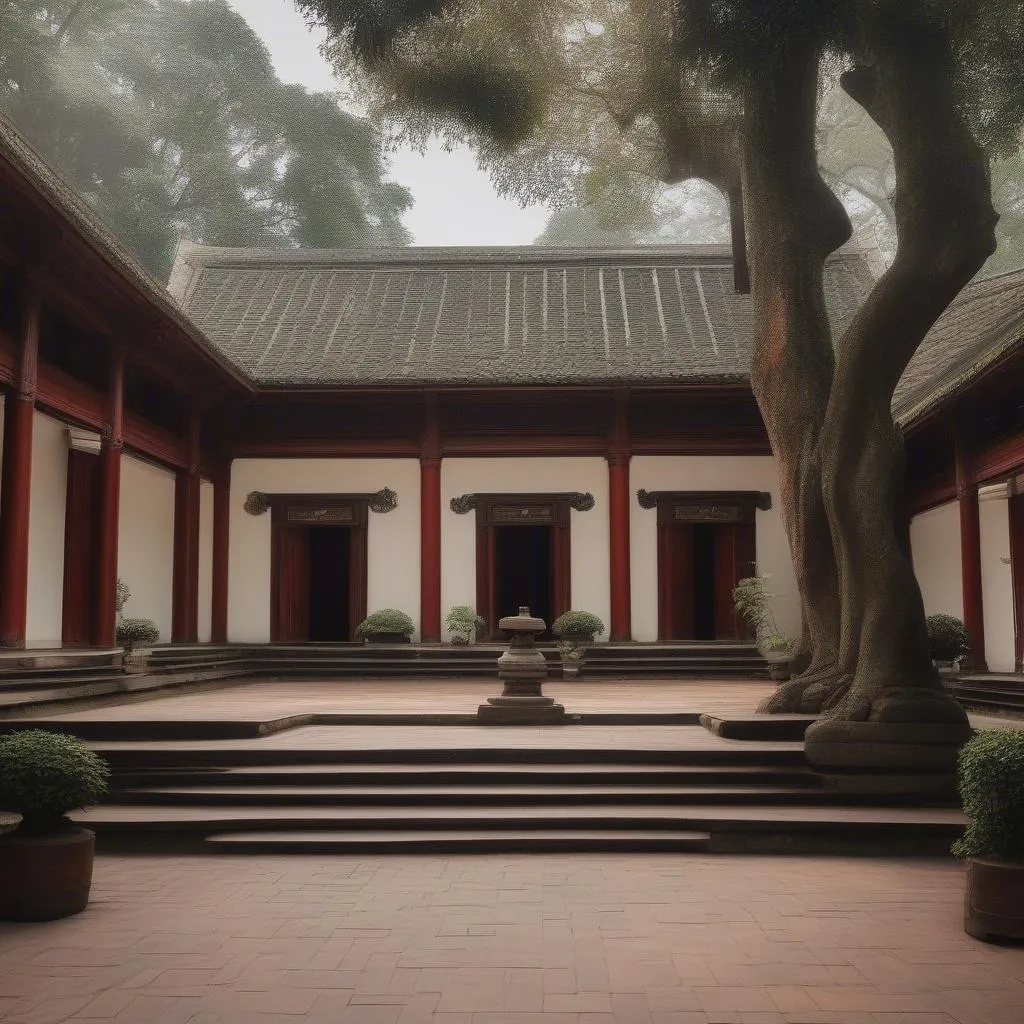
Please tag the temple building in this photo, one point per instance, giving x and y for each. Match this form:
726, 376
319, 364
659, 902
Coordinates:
280, 441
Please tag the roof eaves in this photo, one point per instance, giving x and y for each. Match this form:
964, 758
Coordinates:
62, 197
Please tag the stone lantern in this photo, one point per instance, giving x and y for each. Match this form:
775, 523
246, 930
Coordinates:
522, 668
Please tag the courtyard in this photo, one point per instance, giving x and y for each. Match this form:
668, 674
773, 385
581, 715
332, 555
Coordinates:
511, 939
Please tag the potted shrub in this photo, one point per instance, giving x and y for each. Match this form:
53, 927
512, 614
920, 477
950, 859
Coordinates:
464, 625
991, 778
46, 861
136, 636
948, 639
575, 631
387, 626
752, 599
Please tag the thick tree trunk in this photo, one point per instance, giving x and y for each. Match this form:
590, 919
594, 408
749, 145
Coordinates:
794, 222
945, 226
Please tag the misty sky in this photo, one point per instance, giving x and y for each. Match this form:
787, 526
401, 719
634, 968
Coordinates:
455, 203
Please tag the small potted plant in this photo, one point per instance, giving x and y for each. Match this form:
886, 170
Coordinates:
948, 639
752, 599
136, 636
464, 625
387, 626
575, 631
46, 861
991, 778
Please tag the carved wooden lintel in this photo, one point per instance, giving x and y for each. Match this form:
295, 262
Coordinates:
257, 503
580, 501
705, 506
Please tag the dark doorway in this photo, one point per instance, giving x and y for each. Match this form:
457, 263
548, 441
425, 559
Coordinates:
330, 562
703, 582
522, 570
699, 564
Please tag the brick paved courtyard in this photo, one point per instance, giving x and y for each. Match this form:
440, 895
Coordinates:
510, 939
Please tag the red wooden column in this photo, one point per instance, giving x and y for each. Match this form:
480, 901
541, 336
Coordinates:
111, 447
221, 526
430, 522
187, 489
618, 504
15, 490
970, 550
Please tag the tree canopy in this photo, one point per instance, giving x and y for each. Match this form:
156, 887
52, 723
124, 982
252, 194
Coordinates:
168, 116
730, 92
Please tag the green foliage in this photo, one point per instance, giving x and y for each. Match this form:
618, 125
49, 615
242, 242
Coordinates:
991, 778
463, 622
132, 633
753, 600
168, 117
43, 775
777, 643
577, 624
122, 595
948, 639
387, 620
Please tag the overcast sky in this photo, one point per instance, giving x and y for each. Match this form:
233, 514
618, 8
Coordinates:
455, 203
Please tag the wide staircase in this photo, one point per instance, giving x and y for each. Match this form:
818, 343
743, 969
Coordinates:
445, 788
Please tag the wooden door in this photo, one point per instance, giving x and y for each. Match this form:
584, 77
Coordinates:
80, 569
561, 573
726, 568
675, 582
289, 612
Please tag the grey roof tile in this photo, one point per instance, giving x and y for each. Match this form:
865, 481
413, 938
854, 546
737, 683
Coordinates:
488, 316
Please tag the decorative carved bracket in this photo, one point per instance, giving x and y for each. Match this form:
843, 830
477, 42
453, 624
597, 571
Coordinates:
257, 503
705, 506
579, 500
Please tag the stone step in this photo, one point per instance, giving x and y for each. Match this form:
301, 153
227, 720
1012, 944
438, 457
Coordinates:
472, 796
314, 775
732, 828
458, 840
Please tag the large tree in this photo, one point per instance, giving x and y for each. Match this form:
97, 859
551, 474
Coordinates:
728, 92
168, 116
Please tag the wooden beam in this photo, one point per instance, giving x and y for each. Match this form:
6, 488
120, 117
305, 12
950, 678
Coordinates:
430, 522
111, 450
619, 512
970, 549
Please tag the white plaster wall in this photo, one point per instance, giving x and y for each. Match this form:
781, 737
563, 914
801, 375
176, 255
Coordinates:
935, 547
589, 536
205, 561
145, 541
47, 504
393, 538
707, 473
997, 584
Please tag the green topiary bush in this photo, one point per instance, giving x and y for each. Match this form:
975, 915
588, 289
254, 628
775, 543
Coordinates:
948, 639
464, 623
387, 620
43, 775
991, 777
573, 623
133, 633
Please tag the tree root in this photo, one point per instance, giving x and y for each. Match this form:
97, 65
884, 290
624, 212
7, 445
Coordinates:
808, 694
898, 704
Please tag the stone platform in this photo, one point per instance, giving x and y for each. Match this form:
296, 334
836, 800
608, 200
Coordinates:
388, 766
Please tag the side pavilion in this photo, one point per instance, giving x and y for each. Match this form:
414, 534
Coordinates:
281, 441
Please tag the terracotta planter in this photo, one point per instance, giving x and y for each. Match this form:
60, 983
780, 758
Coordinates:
135, 661
45, 877
994, 899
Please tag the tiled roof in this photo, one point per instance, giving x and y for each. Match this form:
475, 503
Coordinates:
984, 323
31, 167
491, 316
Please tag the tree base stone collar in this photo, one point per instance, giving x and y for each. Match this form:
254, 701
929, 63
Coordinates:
914, 756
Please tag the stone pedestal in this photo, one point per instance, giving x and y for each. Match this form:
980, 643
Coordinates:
913, 758
522, 668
